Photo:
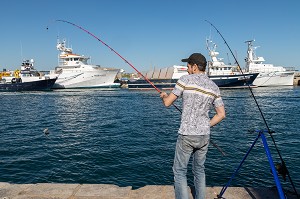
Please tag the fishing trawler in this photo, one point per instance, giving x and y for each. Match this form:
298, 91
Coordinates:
75, 72
226, 75
26, 79
269, 75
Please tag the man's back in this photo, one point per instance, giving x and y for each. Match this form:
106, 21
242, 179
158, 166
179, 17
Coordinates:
199, 93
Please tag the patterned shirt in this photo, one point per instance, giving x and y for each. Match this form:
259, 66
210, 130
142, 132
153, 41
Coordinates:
199, 94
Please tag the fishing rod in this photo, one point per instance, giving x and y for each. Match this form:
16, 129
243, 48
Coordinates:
131, 65
261, 113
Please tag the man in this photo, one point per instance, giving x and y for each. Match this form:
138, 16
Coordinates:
198, 93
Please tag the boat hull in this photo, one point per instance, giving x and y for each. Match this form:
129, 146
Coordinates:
275, 79
97, 78
232, 81
41, 85
223, 81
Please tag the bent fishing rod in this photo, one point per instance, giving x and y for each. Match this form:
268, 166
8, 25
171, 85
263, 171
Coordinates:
126, 61
261, 113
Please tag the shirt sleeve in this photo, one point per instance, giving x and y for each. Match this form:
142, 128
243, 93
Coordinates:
218, 100
180, 85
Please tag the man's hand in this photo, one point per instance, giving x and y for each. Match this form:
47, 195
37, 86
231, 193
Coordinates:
168, 99
163, 95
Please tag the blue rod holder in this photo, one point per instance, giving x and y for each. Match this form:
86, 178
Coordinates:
277, 182
238, 168
268, 153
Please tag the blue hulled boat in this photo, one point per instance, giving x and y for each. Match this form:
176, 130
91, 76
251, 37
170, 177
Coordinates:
26, 79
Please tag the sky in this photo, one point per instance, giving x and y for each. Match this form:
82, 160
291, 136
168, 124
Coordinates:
148, 33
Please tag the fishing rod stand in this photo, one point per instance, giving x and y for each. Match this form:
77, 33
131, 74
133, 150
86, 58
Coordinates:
268, 153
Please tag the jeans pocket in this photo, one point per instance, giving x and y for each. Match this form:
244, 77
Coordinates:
184, 144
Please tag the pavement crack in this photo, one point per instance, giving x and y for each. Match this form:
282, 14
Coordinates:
75, 191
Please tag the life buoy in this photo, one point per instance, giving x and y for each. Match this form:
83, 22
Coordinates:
17, 74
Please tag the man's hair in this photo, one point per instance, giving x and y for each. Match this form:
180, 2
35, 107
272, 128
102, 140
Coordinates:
201, 66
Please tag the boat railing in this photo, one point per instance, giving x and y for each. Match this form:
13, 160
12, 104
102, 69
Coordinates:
290, 68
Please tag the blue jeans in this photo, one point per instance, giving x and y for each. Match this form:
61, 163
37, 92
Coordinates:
187, 146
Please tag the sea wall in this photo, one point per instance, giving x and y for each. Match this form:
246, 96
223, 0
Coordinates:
297, 79
105, 191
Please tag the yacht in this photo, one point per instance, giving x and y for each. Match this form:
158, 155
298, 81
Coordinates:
269, 75
74, 71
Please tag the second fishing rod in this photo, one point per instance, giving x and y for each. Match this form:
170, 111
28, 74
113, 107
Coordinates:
270, 132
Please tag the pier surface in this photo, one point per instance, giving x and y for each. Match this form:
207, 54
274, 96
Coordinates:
105, 191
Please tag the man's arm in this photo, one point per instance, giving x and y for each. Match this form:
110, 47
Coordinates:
219, 116
168, 99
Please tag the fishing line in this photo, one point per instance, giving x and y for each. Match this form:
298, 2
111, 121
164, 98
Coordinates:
131, 65
270, 76
236, 61
261, 113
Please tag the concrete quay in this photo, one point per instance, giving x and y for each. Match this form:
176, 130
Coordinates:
297, 79
105, 191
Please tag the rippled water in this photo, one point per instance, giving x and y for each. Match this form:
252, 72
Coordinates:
127, 138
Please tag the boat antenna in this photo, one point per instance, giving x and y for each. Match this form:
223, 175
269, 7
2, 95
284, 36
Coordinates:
21, 50
229, 63
127, 62
261, 113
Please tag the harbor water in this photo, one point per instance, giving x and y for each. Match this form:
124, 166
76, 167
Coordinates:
127, 138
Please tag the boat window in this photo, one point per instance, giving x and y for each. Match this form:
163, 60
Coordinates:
67, 59
75, 59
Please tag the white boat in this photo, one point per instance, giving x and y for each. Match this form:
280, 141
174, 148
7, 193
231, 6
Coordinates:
75, 72
269, 75
26, 79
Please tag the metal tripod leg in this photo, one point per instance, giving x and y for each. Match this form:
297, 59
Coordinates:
278, 185
237, 169
268, 153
